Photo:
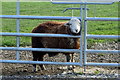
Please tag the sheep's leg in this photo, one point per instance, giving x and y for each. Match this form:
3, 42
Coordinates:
35, 58
68, 57
34, 65
72, 60
41, 65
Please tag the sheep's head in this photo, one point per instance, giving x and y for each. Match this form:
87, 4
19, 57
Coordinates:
74, 26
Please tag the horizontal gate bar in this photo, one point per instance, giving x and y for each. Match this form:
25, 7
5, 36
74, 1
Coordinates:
38, 35
80, 2
74, 8
102, 19
57, 17
103, 51
58, 50
36, 17
39, 62
40, 49
102, 64
103, 36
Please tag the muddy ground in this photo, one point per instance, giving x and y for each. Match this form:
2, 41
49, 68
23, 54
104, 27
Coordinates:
8, 69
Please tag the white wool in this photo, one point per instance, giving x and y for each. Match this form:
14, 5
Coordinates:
74, 25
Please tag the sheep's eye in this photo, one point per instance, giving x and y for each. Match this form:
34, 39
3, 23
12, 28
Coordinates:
69, 24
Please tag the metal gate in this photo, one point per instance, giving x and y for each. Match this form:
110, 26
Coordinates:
83, 37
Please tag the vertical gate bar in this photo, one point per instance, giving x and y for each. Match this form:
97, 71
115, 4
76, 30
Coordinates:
81, 54
17, 28
85, 34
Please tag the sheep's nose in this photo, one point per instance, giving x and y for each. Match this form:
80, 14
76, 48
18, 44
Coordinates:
76, 30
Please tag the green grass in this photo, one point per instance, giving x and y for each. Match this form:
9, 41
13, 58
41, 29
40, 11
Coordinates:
48, 9
96, 72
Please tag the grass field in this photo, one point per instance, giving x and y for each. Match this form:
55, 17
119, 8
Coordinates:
49, 9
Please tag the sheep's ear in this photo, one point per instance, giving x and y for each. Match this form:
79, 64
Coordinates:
66, 24
80, 20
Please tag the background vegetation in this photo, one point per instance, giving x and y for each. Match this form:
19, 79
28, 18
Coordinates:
49, 9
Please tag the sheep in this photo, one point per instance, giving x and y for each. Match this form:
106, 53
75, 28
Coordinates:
73, 27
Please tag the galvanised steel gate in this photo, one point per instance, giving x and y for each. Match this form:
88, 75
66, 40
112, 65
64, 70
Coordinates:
83, 37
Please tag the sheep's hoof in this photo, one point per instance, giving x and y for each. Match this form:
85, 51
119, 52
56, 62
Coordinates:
43, 68
67, 72
35, 70
62, 68
70, 68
